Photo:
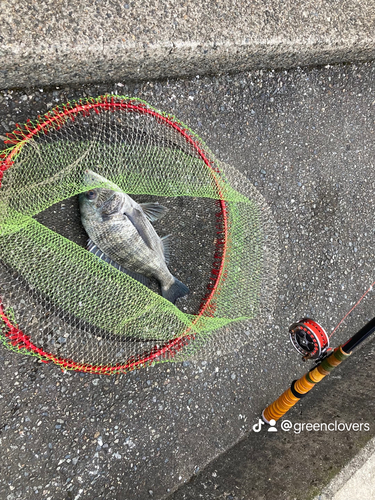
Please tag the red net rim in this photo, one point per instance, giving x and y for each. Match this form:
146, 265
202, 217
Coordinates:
55, 120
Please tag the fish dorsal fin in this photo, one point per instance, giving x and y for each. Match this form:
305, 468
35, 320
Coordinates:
95, 250
153, 211
166, 241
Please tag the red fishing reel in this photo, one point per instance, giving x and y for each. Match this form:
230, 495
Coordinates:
309, 339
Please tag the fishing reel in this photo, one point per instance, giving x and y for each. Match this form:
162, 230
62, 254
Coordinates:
310, 339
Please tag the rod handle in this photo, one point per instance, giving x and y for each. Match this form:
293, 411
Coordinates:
302, 386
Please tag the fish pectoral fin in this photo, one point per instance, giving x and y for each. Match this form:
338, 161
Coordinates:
95, 250
138, 220
153, 211
166, 241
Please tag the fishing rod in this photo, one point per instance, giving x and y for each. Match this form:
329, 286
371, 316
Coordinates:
311, 340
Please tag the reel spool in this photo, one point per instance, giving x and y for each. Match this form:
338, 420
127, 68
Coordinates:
309, 339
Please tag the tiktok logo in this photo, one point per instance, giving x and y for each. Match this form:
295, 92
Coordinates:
272, 426
258, 427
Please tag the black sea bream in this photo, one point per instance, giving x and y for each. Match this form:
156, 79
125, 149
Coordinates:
121, 233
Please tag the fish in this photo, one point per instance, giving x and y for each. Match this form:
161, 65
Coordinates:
120, 233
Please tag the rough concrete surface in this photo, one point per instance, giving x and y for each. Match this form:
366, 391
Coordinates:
294, 464
361, 485
305, 139
62, 41
355, 481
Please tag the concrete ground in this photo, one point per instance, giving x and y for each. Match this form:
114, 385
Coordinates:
297, 464
305, 139
356, 480
64, 41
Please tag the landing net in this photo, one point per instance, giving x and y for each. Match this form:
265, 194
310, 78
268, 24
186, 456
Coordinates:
64, 305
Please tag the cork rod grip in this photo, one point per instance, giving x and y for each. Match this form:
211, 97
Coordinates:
301, 387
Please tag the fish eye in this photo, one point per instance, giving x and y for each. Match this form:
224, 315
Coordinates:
90, 195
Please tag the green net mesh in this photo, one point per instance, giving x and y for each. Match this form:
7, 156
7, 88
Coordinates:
61, 303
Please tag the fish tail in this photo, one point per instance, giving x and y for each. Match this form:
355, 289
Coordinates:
174, 291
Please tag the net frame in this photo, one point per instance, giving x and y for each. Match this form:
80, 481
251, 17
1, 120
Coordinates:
16, 339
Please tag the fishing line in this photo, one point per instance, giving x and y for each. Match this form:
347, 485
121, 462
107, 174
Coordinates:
310, 339
352, 309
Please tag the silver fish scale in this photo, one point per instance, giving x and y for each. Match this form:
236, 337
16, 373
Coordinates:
121, 242
118, 239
